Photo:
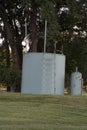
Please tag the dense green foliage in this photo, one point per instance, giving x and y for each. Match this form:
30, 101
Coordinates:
10, 78
66, 28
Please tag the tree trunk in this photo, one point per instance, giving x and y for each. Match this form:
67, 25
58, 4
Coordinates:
10, 37
33, 27
7, 52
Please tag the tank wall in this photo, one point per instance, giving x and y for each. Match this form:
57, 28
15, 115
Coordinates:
43, 73
60, 74
76, 83
31, 73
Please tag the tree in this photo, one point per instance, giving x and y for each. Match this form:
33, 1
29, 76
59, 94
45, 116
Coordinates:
66, 27
11, 31
39, 11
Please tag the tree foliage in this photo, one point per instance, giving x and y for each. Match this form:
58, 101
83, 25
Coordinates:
66, 28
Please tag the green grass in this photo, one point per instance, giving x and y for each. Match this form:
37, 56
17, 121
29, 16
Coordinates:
42, 112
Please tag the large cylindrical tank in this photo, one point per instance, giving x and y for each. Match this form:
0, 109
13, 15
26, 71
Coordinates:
43, 73
76, 83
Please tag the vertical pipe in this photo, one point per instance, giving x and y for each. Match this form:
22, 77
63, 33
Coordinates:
45, 36
55, 48
81, 86
54, 67
76, 69
25, 27
62, 49
54, 72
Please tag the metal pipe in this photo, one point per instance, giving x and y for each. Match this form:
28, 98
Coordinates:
76, 69
25, 27
45, 36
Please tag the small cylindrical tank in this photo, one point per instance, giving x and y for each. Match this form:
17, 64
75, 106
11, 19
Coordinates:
76, 83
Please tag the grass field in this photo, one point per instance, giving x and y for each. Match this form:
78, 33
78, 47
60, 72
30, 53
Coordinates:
42, 112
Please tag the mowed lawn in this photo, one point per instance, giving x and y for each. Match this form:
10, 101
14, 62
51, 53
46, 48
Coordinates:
42, 112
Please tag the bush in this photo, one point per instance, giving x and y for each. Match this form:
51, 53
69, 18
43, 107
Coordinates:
10, 77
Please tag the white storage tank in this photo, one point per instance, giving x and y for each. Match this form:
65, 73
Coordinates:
43, 73
76, 83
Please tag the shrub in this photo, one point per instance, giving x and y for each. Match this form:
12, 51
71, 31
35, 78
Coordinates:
10, 77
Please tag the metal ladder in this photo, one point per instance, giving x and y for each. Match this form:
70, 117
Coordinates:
48, 73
